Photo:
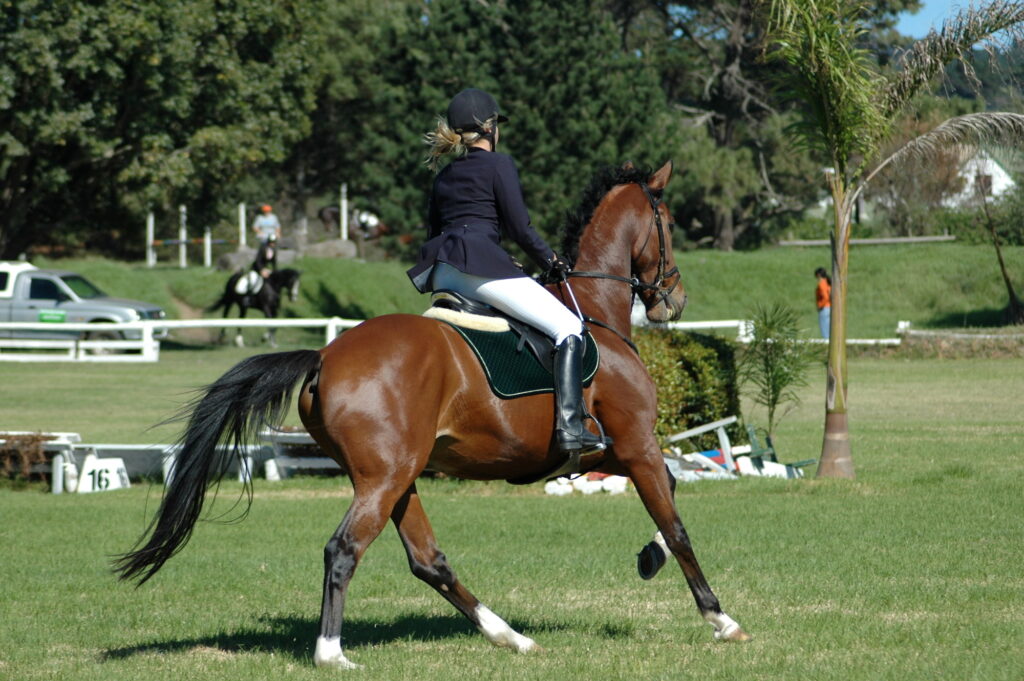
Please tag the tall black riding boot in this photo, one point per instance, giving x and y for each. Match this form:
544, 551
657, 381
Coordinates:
572, 436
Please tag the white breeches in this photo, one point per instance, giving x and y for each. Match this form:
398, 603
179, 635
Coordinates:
520, 297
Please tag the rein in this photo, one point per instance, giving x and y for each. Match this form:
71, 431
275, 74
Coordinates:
636, 285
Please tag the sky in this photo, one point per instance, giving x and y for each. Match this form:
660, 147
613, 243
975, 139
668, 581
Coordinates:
930, 15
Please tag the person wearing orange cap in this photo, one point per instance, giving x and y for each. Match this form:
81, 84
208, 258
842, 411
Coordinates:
266, 224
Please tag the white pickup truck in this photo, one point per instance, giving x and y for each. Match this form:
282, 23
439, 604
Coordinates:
30, 294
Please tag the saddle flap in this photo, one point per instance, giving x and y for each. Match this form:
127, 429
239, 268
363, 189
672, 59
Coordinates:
249, 284
539, 344
499, 342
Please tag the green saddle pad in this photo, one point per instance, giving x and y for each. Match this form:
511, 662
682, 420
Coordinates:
515, 373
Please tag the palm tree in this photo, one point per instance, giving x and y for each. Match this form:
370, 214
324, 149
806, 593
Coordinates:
849, 108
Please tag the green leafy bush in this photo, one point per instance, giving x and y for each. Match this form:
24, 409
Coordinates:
775, 362
696, 379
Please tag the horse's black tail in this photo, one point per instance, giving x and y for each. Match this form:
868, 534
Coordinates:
220, 303
225, 298
254, 392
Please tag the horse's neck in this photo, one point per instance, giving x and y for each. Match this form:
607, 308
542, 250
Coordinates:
607, 300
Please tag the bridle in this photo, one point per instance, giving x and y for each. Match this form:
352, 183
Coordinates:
636, 284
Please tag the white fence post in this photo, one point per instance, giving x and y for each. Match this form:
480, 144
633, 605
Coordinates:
150, 237
167, 462
207, 248
57, 474
746, 331
343, 211
182, 236
150, 346
245, 464
332, 329
241, 224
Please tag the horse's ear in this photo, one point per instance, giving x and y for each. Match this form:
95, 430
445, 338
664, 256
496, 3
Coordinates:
660, 179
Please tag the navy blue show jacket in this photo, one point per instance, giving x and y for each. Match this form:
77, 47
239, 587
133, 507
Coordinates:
476, 200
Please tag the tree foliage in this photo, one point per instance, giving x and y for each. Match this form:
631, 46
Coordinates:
110, 109
749, 178
574, 99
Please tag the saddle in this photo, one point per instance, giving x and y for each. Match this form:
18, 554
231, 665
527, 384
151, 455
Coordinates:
517, 358
249, 284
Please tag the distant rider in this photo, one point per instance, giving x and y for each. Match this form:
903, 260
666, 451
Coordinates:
266, 256
266, 224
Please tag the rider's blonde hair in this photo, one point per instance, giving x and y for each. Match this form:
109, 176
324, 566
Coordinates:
444, 141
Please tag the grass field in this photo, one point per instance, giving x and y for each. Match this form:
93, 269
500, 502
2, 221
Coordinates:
946, 285
910, 572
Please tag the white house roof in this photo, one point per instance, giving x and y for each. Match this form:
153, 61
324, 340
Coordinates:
984, 166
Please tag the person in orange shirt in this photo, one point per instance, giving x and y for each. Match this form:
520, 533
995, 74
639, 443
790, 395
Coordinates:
823, 296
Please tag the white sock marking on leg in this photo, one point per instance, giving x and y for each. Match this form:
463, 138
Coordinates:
497, 631
328, 654
723, 624
660, 541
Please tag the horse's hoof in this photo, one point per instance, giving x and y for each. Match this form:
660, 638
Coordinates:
736, 635
726, 628
652, 557
650, 560
343, 663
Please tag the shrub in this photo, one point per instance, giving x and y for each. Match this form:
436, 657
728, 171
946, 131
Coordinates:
695, 375
775, 362
18, 454
970, 225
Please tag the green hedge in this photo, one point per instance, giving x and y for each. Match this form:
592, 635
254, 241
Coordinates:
696, 379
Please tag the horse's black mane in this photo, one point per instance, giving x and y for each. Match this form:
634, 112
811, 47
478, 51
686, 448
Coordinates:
604, 180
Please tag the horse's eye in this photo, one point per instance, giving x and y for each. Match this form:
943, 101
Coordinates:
671, 227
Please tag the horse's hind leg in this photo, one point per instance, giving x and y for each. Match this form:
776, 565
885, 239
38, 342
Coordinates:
364, 520
375, 498
653, 484
429, 564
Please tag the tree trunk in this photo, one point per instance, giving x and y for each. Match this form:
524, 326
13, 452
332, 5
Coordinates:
1014, 313
725, 233
836, 460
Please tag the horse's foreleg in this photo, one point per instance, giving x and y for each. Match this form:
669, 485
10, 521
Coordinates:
655, 490
224, 329
429, 564
239, 339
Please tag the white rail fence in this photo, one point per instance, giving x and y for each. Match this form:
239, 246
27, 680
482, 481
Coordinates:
146, 348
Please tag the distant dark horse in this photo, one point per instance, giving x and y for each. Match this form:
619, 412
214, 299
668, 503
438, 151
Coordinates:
246, 289
367, 223
402, 393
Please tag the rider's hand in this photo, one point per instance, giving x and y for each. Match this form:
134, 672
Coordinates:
558, 268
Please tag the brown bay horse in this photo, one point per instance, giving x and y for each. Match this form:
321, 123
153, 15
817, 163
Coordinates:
400, 394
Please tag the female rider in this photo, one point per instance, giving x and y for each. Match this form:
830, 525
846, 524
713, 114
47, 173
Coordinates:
476, 198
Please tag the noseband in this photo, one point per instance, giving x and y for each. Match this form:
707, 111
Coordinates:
637, 285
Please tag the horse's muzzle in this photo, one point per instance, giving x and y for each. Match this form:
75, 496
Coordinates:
669, 309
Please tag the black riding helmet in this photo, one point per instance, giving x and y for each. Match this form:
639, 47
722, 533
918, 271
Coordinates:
470, 108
